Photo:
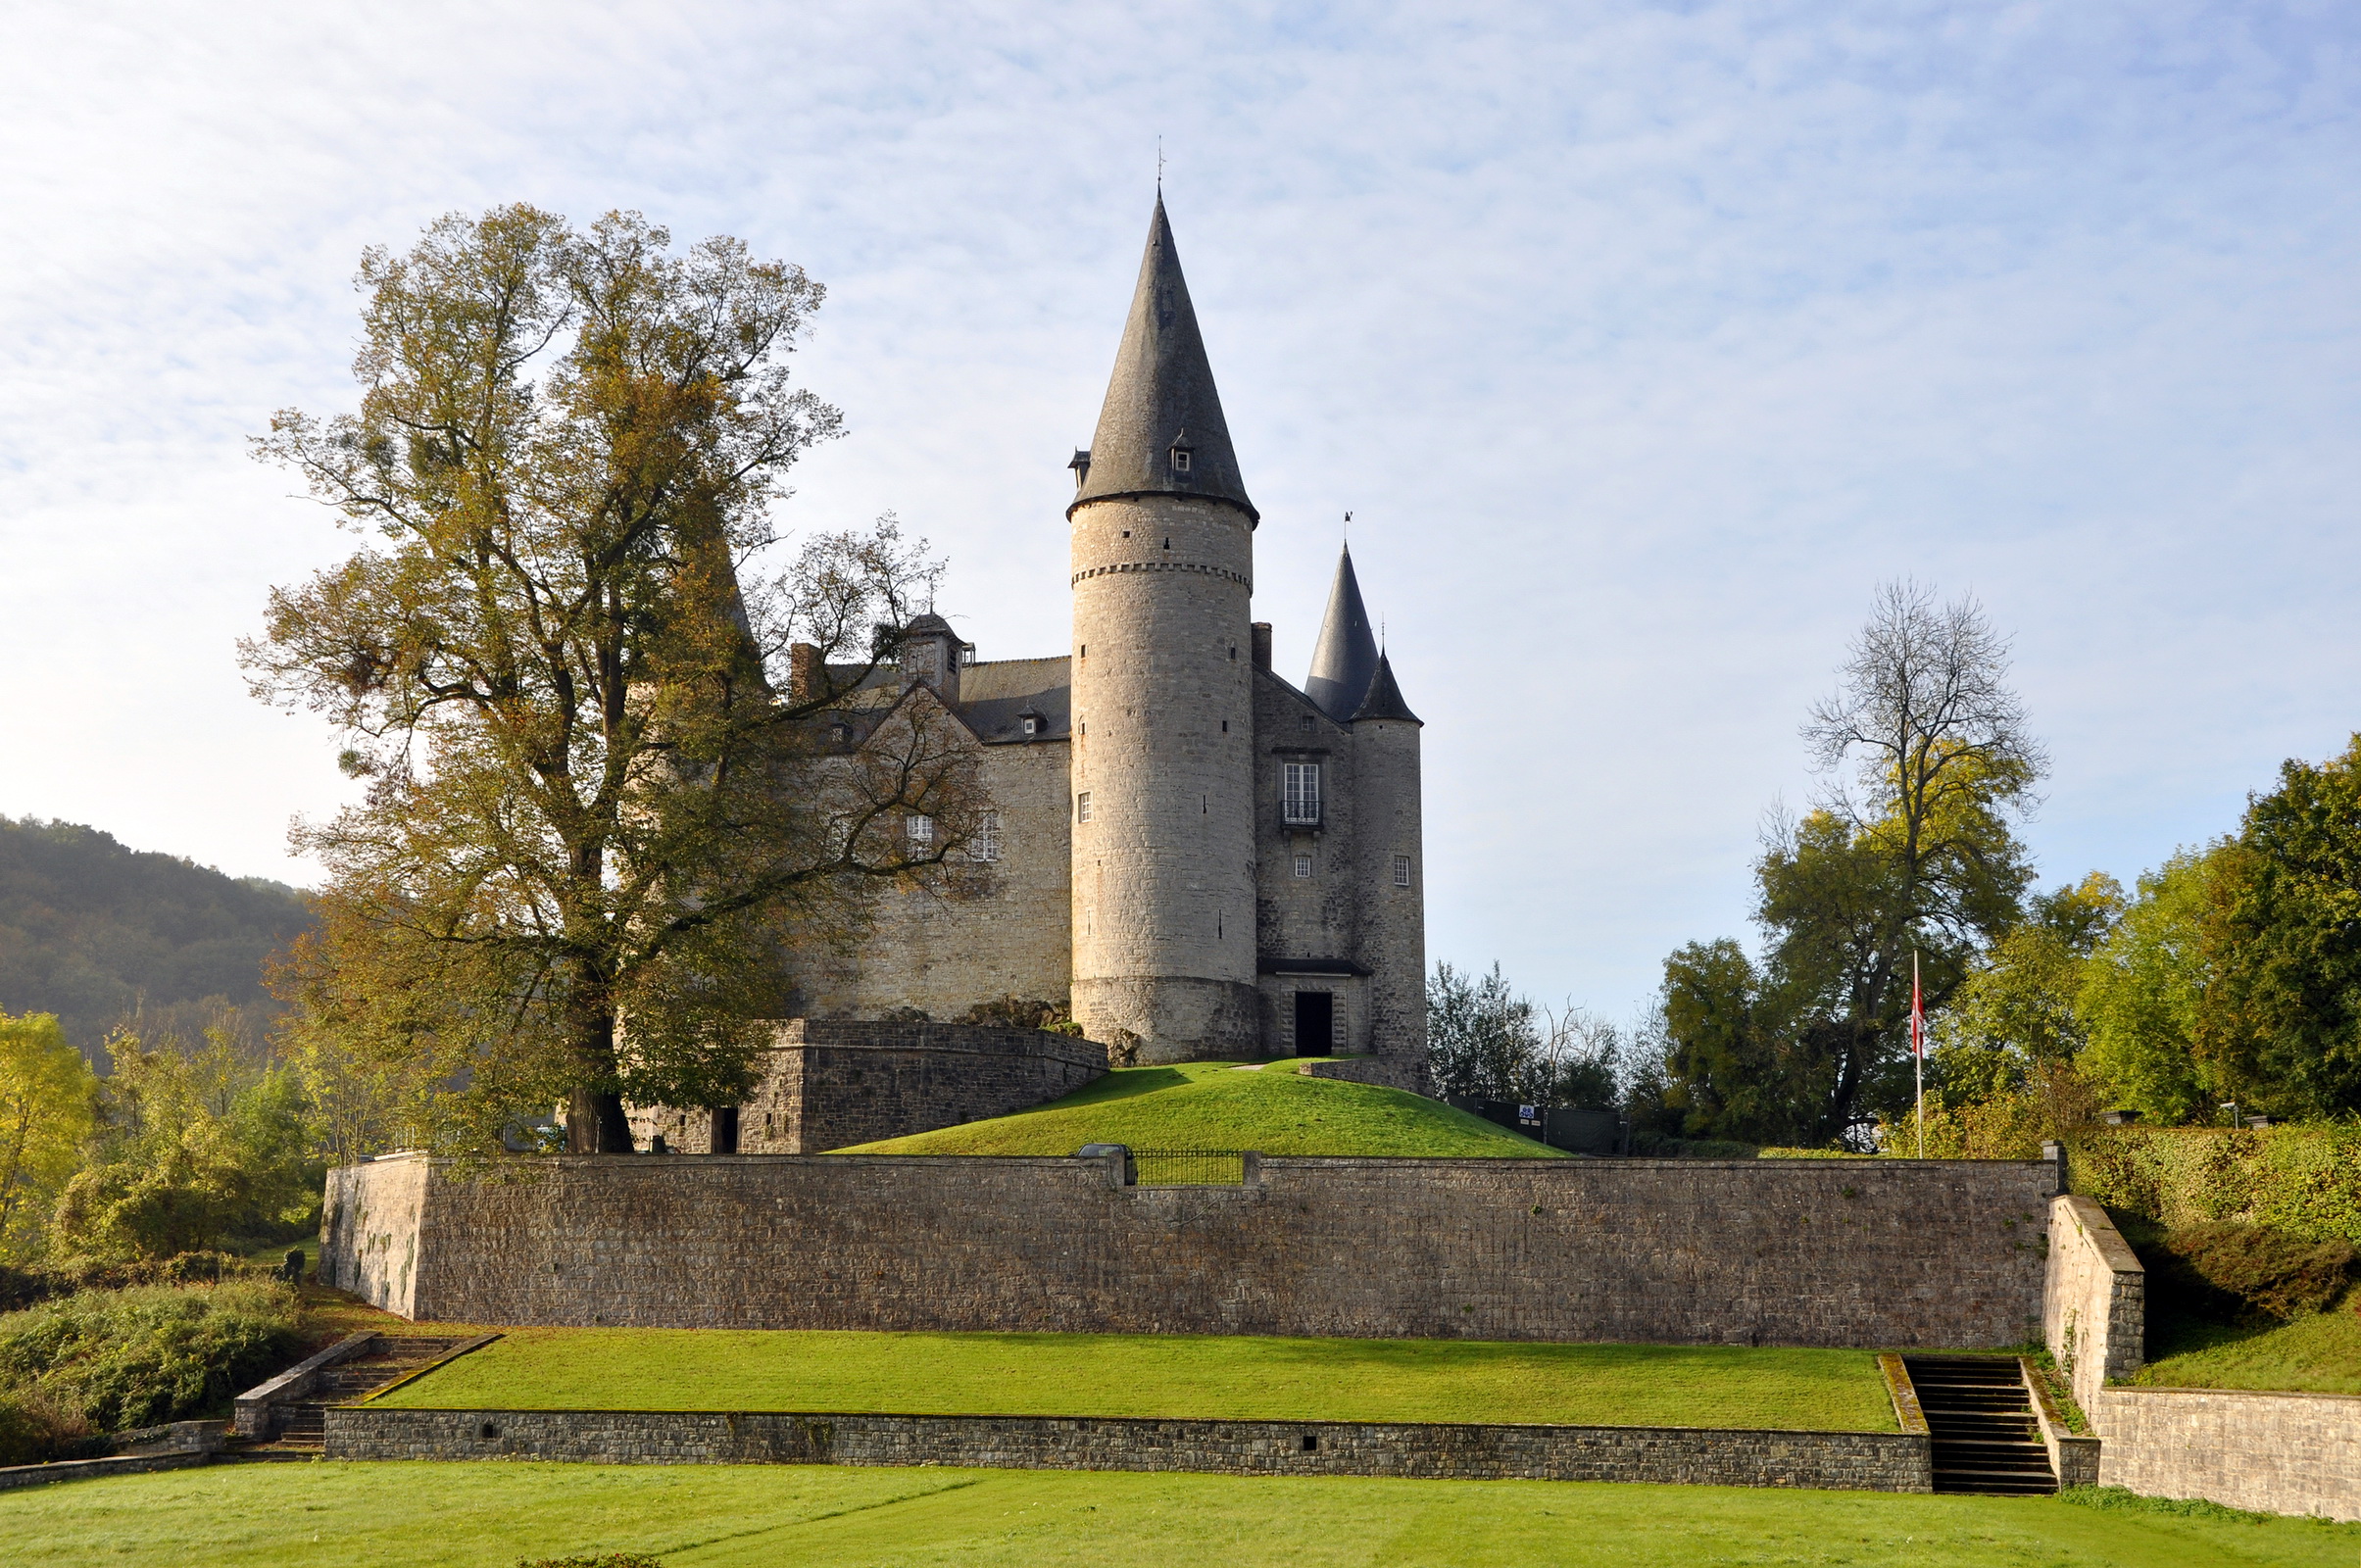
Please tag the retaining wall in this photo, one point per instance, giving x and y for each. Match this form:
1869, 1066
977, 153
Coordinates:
2094, 1302
1841, 1461
2277, 1452
1835, 1252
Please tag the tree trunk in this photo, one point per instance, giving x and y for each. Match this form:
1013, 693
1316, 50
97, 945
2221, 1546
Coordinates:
595, 1123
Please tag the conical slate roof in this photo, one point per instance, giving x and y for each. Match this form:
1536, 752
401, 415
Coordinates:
1161, 397
1385, 698
1345, 658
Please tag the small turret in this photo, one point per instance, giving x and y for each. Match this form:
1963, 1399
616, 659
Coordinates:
1384, 699
931, 653
1345, 659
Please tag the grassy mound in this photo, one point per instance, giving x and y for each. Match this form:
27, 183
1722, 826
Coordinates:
1192, 1377
1210, 1104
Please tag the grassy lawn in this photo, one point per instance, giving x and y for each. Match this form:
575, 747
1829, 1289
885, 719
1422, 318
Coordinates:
1210, 1104
700, 1516
2317, 1354
1215, 1376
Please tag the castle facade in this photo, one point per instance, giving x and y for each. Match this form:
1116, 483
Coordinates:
1210, 862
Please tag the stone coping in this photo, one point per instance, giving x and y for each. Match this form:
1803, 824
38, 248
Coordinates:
1875, 1461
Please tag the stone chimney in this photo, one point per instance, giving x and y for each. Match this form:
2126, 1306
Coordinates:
1263, 644
805, 675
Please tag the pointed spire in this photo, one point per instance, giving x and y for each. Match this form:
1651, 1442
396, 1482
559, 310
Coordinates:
1161, 431
1345, 658
1385, 698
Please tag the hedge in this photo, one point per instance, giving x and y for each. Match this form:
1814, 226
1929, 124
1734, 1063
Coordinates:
2304, 1180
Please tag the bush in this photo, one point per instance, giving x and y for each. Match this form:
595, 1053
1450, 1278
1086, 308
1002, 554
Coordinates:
2246, 1274
35, 1429
2304, 1180
151, 1354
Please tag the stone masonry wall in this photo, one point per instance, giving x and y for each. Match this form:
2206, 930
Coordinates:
832, 1082
1850, 1460
1892, 1255
2094, 1300
2276, 1453
371, 1225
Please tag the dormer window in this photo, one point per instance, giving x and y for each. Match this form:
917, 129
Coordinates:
1032, 723
1180, 460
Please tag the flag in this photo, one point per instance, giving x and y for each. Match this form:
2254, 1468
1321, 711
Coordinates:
1918, 1014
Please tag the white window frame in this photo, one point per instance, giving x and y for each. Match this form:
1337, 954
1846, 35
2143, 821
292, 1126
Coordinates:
1402, 870
1300, 794
1082, 806
986, 845
1303, 865
921, 830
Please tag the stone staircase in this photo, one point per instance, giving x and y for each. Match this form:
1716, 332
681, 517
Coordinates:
298, 1427
1980, 1418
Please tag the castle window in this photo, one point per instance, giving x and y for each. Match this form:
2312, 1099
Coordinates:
1307, 722
1300, 794
986, 845
1032, 726
1082, 806
921, 831
1303, 865
1402, 870
1180, 460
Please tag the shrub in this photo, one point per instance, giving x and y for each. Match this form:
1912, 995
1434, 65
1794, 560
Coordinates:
2230, 1273
151, 1354
34, 1429
2304, 1180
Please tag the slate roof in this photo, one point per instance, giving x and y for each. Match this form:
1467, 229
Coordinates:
1160, 396
1385, 698
1345, 659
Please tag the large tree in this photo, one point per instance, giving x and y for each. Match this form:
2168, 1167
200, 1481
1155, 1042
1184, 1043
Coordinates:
596, 799
1908, 853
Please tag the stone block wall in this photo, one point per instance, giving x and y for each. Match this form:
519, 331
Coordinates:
1891, 1253
1868, 1461
2093, 1301
832, 1082
371, 1222
2276, 1453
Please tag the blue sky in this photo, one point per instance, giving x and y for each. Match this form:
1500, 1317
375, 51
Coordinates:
1642, 341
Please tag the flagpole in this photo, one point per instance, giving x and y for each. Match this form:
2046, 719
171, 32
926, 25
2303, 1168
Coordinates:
1918, 1054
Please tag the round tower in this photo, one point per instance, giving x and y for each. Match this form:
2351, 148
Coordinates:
1163, 809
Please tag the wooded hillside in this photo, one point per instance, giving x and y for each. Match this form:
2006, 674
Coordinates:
92, 931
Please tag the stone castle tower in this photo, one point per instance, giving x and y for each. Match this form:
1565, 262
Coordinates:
1202, 858
1163, 568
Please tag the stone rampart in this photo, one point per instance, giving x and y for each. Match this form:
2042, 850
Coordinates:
829, 1083
1869, 1461
2093, 1303
1890, 1253
2276, 1453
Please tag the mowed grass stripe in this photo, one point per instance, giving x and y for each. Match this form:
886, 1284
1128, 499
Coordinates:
1210, 1104
489, 1515
1186, 1376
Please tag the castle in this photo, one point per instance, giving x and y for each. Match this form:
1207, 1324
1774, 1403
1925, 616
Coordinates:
1203, 859
1210, 862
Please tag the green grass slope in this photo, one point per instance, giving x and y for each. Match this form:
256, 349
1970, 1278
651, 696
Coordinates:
1212, 1376
2316, 1355
491, 1515
1205, 1105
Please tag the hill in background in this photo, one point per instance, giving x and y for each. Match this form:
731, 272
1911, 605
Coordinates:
1211, 1104
95, 932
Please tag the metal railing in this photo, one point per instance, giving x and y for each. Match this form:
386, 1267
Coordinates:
1189, 1167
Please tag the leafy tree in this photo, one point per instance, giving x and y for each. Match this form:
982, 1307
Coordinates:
1908, 852
1479, 1033
46, 1091
2286, 1029
596, 794
2015, 1013
2146, 992
192, 1148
